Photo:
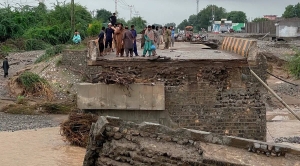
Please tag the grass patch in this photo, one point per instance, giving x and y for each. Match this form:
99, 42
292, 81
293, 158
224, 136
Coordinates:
21, 100
58, 62
48, 108
80, 46
50, 52
294, 64
58, 108
20, 109
33, 84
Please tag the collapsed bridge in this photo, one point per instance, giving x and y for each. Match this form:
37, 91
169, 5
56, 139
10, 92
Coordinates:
193, 88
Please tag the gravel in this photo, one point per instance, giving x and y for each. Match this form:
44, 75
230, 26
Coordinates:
294, 140
12, 122
288, 89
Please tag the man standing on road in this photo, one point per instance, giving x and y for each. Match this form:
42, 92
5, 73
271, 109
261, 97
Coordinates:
101, 41
108, 38
143, 37
5, 67
133, 31
113, 19
119, 37
128, 41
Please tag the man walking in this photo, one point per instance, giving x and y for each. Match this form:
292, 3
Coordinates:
172, 36
143, 37
101, 41
149, 39
169, 32
128, 41
133, 31
161, 35
113, 19
108, 38
167, 37
5, 67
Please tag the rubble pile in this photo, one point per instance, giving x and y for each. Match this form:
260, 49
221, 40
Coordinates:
114, 78
128, 75
115, 142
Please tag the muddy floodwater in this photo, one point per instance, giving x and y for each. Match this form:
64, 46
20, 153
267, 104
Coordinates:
41, 147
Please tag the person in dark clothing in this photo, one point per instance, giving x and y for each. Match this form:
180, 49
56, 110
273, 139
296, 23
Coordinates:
109, 32
113, 19
143, 38
5, 67
101, 41
133, 31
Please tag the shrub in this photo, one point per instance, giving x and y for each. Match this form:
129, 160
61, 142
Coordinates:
294, 64
20, 109
58, 108
94, 28
21, 100
50, 52
34, 44
34, 84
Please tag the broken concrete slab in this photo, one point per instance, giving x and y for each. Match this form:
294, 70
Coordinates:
154, 144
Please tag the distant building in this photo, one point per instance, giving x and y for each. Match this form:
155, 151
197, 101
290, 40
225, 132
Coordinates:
270, 17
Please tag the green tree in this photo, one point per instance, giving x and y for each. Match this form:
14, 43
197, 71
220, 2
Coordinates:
122, 20
103, 15
204, 17
237, 16
183, 24
172, 24
260, 20
289, 12
94, 28
292, 11
138, 22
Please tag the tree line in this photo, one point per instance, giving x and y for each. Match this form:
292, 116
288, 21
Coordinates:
204, 18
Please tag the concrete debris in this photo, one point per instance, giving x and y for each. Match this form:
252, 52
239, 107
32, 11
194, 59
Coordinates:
116, 142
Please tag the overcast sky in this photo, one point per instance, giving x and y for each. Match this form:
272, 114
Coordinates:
165, 11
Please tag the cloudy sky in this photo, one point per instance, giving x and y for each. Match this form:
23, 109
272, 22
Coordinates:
164, 11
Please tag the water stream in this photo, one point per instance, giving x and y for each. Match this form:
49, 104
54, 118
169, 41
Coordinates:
41, 147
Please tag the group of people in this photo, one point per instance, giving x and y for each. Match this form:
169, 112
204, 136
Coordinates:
120, 39
154, 36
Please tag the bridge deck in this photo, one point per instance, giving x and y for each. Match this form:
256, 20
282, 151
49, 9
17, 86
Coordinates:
182, 51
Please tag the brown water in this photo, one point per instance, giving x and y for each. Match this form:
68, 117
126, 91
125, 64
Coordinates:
44, 147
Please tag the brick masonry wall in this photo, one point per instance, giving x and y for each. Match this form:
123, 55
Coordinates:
219, 97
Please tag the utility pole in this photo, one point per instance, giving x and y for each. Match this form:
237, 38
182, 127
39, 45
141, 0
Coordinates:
197, 7
213, 14
116, 6
72, 16
130, 6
